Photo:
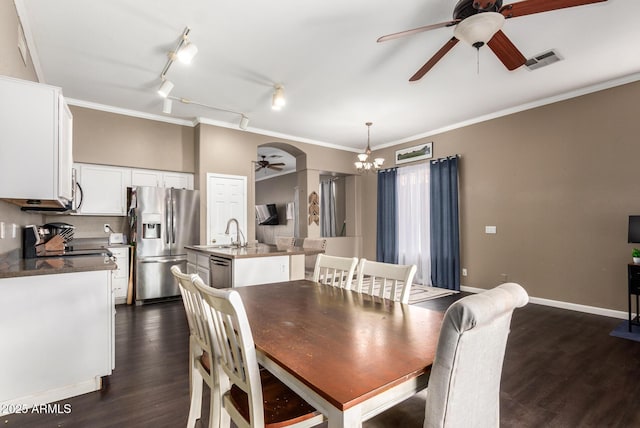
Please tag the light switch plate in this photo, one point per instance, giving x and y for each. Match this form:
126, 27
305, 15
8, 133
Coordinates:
490, 229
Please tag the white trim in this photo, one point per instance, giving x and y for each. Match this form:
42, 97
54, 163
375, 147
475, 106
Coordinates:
28, 36
127, 112
278, 174
564, 305
527, 106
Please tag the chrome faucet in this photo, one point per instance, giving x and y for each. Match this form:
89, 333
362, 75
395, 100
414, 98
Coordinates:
239, 235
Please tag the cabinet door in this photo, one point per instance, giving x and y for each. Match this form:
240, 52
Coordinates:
104, 189
146, 177
178, 180
65, 151
260, 270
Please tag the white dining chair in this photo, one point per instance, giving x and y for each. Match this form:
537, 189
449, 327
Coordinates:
335, 271
386, 280
251, 396
200, 352
464, 386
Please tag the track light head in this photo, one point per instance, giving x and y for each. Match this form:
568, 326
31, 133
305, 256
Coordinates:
244, 122
166, 106
165, 89
186, 52
278, 101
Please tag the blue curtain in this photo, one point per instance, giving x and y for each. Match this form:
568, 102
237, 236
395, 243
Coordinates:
445, 228
387, 224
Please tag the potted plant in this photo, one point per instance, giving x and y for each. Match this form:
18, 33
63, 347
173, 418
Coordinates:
636, 256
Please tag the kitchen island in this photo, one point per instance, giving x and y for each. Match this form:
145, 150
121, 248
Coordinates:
224, 266
57, 325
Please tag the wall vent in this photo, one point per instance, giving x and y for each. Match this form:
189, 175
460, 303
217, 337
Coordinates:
543, 59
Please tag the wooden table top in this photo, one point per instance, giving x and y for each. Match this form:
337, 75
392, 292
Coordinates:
344, 345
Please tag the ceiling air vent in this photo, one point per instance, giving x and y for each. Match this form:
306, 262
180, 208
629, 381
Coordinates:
543, 60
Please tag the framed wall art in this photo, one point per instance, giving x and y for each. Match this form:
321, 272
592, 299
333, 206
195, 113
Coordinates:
416, 153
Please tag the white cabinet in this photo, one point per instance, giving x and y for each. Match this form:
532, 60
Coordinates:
260, 270
36, 152
104, 189
57, 336
198, 263
120, 276
152, 177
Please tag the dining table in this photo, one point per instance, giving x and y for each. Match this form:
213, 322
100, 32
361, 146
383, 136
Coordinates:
349, 354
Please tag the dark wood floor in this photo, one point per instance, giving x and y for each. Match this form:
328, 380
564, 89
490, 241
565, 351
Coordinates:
562, 369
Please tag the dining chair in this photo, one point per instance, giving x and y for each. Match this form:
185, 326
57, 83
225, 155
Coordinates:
200, 351
310, 261
285, 241
464, 385
386, 280
335, 271
251, 396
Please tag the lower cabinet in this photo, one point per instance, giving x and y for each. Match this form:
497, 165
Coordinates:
260, 270
198, 263
57, 336
120, 276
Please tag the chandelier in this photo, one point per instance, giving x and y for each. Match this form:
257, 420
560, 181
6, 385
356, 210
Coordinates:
363, 164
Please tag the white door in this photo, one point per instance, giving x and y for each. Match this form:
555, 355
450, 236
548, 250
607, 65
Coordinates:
226, 199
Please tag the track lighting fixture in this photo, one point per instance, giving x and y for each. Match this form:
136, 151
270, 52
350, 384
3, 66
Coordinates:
244, 120
165, 88
166, 107
278, 101
186, 53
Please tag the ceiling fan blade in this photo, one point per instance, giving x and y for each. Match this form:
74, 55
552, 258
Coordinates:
258, 168
528, 7
277, 164
506, 51
417, 30
434, 59
275, 168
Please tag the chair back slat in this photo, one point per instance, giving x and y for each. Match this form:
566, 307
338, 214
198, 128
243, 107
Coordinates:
335, 271
385, 280
235, 350
193, 308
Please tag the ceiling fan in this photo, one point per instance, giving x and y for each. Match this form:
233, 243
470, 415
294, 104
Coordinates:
479, 22
264, 163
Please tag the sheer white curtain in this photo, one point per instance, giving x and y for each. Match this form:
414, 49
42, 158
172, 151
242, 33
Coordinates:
414, 238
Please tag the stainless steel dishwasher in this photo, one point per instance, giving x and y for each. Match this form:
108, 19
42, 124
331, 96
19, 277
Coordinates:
221, 272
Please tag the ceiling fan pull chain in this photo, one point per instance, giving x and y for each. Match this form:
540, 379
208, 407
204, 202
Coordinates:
478, 61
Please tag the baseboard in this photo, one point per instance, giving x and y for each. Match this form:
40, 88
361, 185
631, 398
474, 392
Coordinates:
34, 403
564, 305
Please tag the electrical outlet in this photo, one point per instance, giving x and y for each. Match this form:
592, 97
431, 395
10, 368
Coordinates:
504, 277
464, 271
106, 228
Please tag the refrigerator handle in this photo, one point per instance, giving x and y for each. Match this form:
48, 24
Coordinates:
167, 219
173, 220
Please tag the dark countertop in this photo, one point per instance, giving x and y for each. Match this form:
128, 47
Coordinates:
262, 250
13, 265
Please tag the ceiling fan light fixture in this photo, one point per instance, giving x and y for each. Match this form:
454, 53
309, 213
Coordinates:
165, 88
278, 101
478, 29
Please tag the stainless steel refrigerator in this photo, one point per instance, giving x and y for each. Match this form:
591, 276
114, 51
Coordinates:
162, 222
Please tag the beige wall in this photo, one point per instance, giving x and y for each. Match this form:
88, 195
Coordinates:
11, 64
231, 151
114, 139
559, 182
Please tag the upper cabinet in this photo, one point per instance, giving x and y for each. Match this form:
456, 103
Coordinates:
151, 177
104, 188
36, 149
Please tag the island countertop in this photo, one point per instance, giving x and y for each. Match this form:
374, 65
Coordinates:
12, 265
261, 250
